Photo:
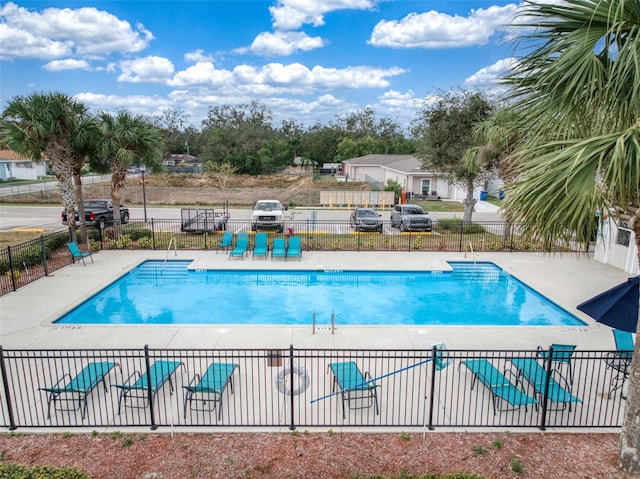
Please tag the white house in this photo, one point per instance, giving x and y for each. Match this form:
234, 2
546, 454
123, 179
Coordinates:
616, 246
407, 171
13, 166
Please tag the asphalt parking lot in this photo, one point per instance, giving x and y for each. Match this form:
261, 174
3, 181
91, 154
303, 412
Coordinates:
48, 217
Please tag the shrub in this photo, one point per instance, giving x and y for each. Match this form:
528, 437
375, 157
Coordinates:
454, 224
136, 232
146, 243
94, 245
55, 241
16, 471
123, 242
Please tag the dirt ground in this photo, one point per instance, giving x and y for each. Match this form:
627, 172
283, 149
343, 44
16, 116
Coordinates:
304, 455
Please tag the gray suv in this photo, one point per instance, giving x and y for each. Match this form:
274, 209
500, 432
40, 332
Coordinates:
410, 218
366, 219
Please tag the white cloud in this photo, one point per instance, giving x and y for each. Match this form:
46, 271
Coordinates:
487, 77
197, 56
67, 64
395, 99
282, 43
292, 14
138, 104
54, 33
202, 73
270, 79
16, 43
148, 69
438, 30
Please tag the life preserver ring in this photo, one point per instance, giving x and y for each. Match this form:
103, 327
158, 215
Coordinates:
300, 378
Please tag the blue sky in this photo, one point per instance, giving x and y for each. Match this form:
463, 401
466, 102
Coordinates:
306, 60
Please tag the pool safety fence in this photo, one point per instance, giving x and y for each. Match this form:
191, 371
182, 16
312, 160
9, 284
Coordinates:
31, 260
310, 388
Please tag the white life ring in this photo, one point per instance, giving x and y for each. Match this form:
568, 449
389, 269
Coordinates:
300, 378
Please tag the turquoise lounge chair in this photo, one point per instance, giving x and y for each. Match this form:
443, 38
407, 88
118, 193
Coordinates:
77, 388
562, 354
210, 387
536, 375
135, 388
225, 242
278, 250
294, 250
242, 244
620, 360
77, 254
501, 388
260, 245
354, 387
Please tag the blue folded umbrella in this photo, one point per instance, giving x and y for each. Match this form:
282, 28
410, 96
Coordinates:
617, 307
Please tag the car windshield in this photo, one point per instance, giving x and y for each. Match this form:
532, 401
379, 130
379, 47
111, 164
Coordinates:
96, 204
367, 213
267, 206
414, 211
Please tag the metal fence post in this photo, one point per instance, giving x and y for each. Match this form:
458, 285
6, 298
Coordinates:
7, 395
432, 388
147, 363
461, 236
13, 276
292, 426
43, 251
545, 399
153, 234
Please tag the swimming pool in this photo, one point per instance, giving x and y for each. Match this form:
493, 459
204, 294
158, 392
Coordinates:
471, 294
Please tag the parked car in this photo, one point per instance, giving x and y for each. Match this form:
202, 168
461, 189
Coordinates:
366, 219
410, 218
99, 213
268, 215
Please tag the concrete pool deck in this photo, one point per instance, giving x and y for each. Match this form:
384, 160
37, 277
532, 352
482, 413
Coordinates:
27, 315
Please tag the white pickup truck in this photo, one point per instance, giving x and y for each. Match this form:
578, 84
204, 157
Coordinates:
268, 215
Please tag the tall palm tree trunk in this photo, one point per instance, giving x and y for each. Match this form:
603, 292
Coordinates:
58, 155
630, 437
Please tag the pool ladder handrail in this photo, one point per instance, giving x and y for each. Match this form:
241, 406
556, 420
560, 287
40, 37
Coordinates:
175, 249
313, 322
475, 264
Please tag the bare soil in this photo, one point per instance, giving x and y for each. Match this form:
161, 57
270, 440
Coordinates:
320, 455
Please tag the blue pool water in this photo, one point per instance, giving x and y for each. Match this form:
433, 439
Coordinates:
472, 294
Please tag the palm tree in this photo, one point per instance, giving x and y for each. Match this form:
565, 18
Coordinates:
127, 140
84, 148
577, 89
47, 125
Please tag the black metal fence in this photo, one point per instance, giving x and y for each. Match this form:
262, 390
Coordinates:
339, 235
26, 262
296, 388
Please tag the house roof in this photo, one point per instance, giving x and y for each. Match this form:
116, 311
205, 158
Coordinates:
10, 155
404, 163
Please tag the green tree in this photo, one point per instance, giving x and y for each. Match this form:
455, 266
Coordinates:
53, 126
127, 140
577, 91
236, 134
444, 133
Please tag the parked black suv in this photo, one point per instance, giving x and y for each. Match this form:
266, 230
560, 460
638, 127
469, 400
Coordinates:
410, 218
366, 219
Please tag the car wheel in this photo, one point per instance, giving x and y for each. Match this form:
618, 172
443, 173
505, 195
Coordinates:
402, 228
380, 229
254, 228
280, 229
125, 218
